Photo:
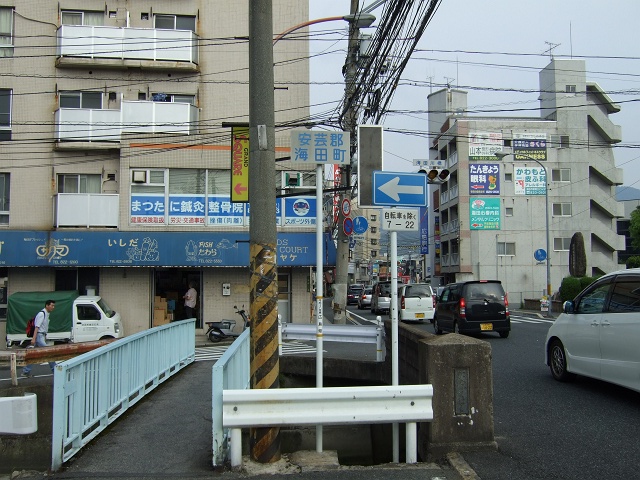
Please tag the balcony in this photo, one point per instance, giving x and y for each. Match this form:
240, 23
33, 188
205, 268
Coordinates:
85, 210
118, 47
102, 125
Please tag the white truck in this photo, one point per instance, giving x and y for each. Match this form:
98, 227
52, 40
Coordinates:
76, 318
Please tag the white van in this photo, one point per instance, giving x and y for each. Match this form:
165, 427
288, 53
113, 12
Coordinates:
416, 302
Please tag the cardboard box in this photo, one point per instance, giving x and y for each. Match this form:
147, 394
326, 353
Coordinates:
156, 299
170, 317
159, 317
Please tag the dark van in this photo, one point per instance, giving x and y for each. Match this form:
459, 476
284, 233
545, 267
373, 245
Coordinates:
473, 307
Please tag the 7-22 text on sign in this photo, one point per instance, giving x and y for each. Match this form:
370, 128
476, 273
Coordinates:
401, 219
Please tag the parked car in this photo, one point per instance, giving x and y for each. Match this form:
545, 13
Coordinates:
381, 297
598, 335
416, 302
353, 293
364, 301
473, 307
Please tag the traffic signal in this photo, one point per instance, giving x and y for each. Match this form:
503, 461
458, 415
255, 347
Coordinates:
436, 175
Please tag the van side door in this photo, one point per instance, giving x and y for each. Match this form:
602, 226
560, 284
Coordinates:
88, 322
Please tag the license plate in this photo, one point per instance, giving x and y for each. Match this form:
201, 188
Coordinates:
419, 315
486, 326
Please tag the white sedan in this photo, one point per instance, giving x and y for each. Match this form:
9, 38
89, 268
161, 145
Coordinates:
598, 335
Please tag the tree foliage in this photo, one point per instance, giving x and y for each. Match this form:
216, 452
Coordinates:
634, 228
577, 256
633, 262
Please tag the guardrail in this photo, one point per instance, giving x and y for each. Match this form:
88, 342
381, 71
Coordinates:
231, 371
93, 390
326, 406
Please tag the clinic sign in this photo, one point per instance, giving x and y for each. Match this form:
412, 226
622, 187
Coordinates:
529, 180
484, 145
484, 179
529, 145
484, 213
320, 147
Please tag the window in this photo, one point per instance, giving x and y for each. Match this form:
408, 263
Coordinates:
506, 249
625, 296
374, 241
570, 88
593, 301
5, 115
373, 218
175, 22
173, 98
4, 198
374, 253
72, 183
508, 211
561, 209
561, 243
561, 175
508, 177
374, 229
6, 32
559, 141
79, 17
81, 100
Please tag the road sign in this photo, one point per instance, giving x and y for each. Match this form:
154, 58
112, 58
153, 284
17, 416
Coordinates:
540, 255
401, 219
352, 242
395, 189
369, 160
346, 207
320, 146
347, 226
360, 225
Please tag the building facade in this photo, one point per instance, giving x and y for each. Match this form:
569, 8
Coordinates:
115, 153
489, 220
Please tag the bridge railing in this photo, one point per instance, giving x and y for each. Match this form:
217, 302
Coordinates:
93, 390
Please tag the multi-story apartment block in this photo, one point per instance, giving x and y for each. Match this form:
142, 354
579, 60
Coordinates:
489, 218
115, 163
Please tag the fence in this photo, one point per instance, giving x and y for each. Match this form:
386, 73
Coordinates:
93, 390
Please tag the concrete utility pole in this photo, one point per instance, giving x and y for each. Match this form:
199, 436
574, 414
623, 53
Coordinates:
265, 366
350, 117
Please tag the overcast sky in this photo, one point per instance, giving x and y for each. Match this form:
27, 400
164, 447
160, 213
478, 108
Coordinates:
456, 49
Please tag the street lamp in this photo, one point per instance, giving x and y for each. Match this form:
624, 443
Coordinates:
500, 155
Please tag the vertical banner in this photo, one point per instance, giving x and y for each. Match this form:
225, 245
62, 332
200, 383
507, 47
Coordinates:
240, 164
424, 230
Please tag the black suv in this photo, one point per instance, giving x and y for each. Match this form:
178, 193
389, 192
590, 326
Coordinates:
353, 293
473, 307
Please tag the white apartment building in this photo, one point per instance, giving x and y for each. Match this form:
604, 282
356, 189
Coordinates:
115, 164
488, 221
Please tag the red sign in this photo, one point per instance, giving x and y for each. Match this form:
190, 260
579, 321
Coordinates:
347, 226
346, 207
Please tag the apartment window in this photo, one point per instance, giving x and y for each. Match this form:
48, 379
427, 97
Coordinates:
6, 32
374, 253
508, 177
508, 211
5, 115
374, 229
81, 100
561, 209
175, 22
561, 243
373, 218
374, 241
80, 17
506, 249
79, 183
561, 175
173, 98
4, 198
559, 141
570, 88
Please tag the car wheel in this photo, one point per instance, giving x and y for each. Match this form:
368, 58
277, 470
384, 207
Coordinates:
504, 334
558, 362
436, 327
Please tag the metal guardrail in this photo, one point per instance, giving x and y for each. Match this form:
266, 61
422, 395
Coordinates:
93, 390
231, 371
327, 406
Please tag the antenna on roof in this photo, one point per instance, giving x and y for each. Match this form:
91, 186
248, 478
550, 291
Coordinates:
552, 46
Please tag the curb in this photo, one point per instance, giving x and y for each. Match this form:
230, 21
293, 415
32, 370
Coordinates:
461, 466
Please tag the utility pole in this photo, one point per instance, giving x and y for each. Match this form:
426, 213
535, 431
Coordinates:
265, 366
350, 117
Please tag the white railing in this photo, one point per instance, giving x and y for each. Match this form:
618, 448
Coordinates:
453, 192
85, 124
86, 209
93, 390
444, 197
444, 260
327, 406
452, 160
231, 371
127, 43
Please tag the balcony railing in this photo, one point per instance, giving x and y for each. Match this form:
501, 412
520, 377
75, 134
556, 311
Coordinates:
86, 210
125, 43
93, 125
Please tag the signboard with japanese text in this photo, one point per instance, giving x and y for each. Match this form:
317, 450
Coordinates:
222, 211
529, 145
424, 230
240, 164
320, 146
139, 249
300, 211
148, 209
435, 163
247, 215
484, 179
484, 145
484, 213
186, 209
529, 180
401, 219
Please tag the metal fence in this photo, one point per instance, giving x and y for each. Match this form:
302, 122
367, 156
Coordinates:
93, 390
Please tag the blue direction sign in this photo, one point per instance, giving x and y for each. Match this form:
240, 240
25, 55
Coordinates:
395, 189
360, 225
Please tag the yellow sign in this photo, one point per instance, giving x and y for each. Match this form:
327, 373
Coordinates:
240, 164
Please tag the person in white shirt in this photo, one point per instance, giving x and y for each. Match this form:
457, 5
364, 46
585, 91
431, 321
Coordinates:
39, 338
190, 301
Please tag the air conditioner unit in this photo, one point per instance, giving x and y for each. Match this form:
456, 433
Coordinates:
139, 176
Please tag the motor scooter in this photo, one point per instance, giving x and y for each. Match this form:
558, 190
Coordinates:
225, 328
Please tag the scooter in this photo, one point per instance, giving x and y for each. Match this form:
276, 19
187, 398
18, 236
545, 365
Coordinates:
224, 329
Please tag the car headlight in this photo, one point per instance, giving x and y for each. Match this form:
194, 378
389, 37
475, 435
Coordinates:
116, 328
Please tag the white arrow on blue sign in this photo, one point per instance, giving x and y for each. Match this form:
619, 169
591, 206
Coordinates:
395, 189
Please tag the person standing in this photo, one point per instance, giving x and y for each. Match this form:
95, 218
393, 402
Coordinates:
190, 301
39, 338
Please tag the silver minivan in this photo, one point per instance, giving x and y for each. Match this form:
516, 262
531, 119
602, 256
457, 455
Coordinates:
381, 297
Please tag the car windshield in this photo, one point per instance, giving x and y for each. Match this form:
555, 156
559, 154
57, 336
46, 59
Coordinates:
485, 291
418, 291
105, 308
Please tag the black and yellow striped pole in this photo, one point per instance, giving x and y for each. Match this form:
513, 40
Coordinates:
265, 366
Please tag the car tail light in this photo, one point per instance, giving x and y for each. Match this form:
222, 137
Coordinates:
506, 305
402, 302
433, 299
462, 308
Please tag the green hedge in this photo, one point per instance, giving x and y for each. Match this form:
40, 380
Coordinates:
572, 286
